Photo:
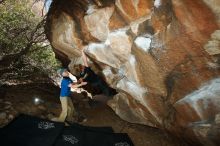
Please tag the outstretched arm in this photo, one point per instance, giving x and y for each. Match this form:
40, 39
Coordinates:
77, 85
85, 60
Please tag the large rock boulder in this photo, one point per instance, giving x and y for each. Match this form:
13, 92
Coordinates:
162, 56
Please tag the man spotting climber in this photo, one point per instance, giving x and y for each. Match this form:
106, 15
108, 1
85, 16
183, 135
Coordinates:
68, 110
88, 75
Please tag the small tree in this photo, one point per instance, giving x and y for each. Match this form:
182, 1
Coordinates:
25, 53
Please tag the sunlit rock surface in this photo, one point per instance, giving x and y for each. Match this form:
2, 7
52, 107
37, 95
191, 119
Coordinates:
162, 56
38, 7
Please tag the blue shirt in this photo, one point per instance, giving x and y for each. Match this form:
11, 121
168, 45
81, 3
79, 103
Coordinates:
65, 89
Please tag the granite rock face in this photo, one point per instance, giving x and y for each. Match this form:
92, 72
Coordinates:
162, 56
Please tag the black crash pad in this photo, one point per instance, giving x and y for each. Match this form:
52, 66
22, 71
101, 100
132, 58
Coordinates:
77, 135
31, 131
106, 139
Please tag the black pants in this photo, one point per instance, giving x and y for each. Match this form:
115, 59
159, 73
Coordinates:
104, 88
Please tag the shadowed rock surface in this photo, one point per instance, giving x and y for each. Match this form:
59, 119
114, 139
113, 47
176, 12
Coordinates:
161, 56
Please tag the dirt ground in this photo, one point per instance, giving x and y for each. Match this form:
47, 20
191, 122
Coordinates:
20, 99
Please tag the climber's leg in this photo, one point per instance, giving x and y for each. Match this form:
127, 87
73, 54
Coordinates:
64, 106
71, 112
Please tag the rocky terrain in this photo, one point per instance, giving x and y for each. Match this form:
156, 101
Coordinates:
162, 56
